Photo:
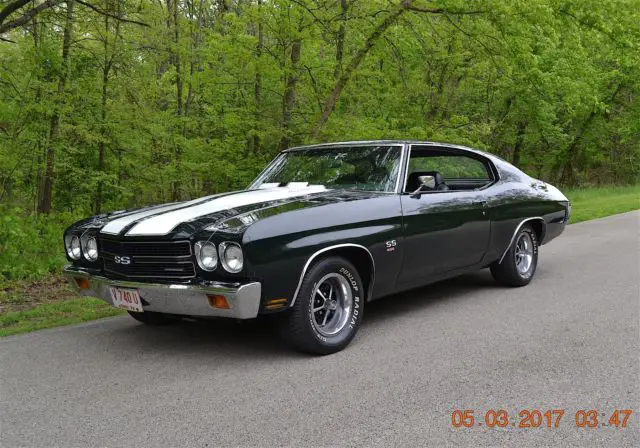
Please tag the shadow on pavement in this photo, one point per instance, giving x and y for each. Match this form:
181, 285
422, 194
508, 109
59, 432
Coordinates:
416, 300
258, 337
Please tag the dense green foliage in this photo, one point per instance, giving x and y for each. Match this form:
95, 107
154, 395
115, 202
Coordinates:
31, 246
98, 113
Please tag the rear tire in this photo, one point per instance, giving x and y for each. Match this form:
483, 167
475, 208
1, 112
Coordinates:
519, 264
328, 309
156, 319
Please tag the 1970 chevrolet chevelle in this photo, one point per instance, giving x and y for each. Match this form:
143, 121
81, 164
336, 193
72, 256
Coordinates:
321, 231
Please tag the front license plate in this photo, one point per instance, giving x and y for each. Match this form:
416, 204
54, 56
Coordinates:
128, 299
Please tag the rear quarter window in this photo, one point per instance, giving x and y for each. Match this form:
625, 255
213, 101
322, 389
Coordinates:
451, 167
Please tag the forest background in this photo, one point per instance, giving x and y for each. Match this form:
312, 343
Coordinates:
111, 104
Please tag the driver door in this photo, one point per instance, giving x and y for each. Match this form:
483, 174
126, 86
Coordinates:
444, 229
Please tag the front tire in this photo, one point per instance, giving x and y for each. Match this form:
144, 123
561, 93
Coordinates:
328, 309
519, 264
151, 318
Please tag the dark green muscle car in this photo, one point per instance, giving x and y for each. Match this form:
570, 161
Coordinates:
323, 230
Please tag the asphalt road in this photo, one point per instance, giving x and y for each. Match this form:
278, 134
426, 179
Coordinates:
570, 340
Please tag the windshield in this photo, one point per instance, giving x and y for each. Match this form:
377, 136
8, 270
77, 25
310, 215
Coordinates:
370, 168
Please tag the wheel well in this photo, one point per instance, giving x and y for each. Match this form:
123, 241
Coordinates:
539, 227
537, 224
360, 258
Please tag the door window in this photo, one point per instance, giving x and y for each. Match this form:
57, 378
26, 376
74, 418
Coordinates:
452, 171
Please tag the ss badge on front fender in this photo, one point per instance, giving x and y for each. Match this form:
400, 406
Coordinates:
391, 245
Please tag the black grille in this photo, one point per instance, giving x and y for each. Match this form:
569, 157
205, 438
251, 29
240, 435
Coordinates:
146, 248
148, 259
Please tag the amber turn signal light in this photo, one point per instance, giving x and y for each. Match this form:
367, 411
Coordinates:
273, 304
82, 283
217, 301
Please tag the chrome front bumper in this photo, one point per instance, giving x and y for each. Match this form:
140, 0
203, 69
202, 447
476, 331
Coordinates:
187, 300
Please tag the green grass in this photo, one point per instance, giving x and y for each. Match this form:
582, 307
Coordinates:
593, 203
47, 315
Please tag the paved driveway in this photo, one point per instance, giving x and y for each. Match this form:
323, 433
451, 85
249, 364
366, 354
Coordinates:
570, 341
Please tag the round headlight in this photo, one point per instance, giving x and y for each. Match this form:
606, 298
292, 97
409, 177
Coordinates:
206, 255
72, 243
91, 249
231, 255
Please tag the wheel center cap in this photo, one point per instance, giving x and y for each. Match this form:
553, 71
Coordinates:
332, 304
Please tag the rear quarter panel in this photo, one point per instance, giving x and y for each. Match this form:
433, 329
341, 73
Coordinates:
517, 197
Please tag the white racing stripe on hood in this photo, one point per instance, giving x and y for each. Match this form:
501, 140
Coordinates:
165, 223
115, 227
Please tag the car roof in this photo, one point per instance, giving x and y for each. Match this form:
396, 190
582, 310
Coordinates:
390, 142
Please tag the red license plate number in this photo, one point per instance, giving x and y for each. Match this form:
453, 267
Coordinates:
127, 299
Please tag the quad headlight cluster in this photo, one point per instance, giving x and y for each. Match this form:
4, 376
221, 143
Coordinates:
228, 253
77, 247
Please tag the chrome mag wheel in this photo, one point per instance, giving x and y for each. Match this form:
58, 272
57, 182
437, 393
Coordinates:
524, 253
332, 301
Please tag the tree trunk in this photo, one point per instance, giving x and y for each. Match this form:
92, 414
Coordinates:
177, 61
258, 83
194, 63
517, 149
179, 92
46, 192
344, 7
333, 97
101, 144
106, 69
568, 177
289, 99
438, 92
40, 151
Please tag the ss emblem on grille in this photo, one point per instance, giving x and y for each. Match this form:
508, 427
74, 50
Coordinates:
122, 260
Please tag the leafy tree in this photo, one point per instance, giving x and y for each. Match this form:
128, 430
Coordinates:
106, 104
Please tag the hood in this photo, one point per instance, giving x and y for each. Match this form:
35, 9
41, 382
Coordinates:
185, 218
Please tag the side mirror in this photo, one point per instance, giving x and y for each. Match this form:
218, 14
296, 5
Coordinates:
424, 181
